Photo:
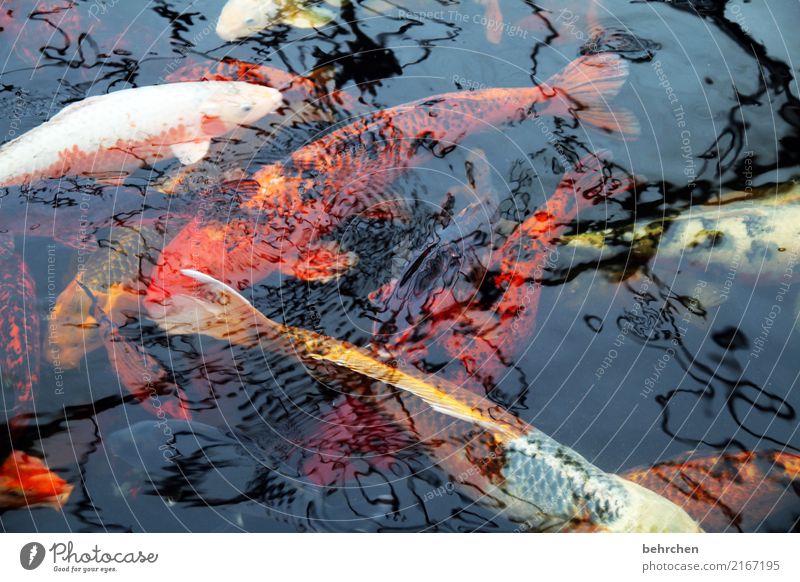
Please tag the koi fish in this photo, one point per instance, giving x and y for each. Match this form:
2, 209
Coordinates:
430, 269
729, 491
19, 328
108, 136
764, 229
494, 20
297, 202
538, 480
89, 312
482, 336
109, 276
242, 18
25, 481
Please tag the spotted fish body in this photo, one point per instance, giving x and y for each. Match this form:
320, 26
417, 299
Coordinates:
483, 338
538, 480
562, 487
109, 135
760, 239
301, 200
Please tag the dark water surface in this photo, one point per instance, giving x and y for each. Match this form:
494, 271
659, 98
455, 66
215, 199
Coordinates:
675, 355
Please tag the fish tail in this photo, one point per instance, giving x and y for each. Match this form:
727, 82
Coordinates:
584, 88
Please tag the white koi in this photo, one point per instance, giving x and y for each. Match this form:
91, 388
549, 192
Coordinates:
108, 136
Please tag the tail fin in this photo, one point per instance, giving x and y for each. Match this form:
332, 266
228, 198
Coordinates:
586, 85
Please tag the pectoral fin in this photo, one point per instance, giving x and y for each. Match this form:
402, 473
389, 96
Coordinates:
191, 152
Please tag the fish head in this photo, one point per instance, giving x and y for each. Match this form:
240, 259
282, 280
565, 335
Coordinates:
242, 18
212, 308
74, 330
233, 104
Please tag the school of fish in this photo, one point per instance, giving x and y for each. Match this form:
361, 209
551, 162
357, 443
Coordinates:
191, 274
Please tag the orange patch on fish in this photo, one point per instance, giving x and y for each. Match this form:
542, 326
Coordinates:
20, 330
731, 491
25, 481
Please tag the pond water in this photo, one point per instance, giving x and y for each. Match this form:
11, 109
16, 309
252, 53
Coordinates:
632, 355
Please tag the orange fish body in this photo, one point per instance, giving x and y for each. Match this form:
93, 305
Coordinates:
20, 330
484, 339
299, 202
730, 491
25, 481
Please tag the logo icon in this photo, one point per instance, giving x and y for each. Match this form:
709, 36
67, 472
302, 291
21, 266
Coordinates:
31, 555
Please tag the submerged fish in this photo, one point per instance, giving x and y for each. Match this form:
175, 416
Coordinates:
483, 335
21, 333
758, 234
106, 278
242, 18
109, 135
429, 269
536, 479
25, 481
729, 491
298, 202
89, 313
23, 27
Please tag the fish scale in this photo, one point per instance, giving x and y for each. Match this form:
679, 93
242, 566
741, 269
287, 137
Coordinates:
562, 482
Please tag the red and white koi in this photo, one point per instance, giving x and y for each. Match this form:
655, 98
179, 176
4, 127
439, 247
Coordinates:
107, 136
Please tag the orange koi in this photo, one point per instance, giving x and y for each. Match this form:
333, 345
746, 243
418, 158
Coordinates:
729, 491
299, 201
25, 481
483, 337
20, 329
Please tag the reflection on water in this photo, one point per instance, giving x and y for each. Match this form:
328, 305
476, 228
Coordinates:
655, 318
